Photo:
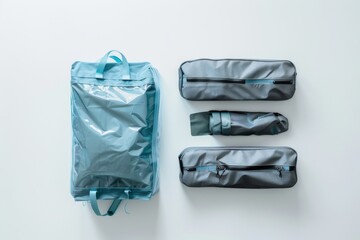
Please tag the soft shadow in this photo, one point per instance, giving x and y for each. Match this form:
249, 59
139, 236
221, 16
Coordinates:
256, 201
140, 222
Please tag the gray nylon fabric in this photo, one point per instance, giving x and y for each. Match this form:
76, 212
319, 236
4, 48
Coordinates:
206, 157
241, 123
232, 79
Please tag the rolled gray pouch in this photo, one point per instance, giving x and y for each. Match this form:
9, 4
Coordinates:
237, 123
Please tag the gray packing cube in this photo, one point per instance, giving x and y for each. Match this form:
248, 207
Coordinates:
237, 123
237, 79
238, 167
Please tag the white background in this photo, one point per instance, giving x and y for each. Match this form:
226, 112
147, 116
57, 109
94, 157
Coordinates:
40, 39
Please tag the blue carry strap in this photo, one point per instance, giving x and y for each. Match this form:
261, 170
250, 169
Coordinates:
103, 61
118, 60
94, 204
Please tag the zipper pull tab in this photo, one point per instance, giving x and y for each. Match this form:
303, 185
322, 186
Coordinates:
220, 170
280, 169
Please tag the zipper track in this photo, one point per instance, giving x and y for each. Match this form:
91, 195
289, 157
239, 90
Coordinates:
240, 168
220, 169
240, 81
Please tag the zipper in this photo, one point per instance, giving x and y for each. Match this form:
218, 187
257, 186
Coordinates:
238, 81
221, 169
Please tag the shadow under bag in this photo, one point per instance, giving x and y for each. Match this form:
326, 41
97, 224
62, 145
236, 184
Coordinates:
238, 167
114, 110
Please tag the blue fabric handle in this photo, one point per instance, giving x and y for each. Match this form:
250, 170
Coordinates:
94, 204
118, 60
101, 66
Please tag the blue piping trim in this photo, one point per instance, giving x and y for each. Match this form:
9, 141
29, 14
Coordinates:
155, 128
259, 81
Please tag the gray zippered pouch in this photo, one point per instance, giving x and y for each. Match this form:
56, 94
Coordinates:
237, 79
237, 123
238, 167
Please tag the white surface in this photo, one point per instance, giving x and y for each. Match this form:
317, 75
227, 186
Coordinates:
40, 39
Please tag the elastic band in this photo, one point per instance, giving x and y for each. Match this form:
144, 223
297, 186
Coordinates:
225, 123
215, 123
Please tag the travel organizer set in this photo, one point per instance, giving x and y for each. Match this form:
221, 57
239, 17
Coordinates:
115, 107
